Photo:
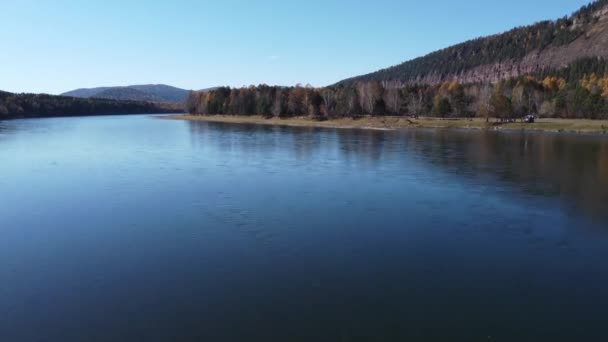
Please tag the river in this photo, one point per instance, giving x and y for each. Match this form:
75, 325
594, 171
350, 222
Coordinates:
133, 228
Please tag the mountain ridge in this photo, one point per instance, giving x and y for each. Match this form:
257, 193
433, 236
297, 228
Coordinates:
532, 49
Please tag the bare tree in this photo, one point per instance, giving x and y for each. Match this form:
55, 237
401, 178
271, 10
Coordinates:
414, 106
329, 101
363, 93
296, 100
369, 94
392, 98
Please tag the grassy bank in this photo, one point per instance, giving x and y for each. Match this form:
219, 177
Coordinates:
391, 123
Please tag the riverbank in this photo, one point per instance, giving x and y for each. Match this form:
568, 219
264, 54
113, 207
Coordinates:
393, 123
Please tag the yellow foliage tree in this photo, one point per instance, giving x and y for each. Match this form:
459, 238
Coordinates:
595, 84
553, 83
453, 87
603, 85
445, 88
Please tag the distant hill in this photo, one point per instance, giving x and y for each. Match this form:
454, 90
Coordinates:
43, 105
536, 49
126, 93
147, 92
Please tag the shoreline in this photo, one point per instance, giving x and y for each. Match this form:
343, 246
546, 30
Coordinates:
390, 123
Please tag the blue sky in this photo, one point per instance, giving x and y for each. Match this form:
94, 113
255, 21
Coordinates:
55, 46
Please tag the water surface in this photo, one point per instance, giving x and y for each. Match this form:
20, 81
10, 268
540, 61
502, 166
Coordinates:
131, 228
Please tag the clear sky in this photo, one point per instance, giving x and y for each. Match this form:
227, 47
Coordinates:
56, 46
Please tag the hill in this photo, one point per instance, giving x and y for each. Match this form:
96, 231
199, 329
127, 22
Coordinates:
43, 105
146, 92
536, 49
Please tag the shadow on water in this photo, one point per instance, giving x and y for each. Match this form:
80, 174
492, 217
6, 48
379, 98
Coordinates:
572, 168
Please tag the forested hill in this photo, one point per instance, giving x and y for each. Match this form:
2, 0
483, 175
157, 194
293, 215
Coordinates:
146, 92
42, 105
536, 49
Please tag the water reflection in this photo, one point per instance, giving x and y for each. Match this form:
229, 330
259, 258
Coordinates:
3, 127
573, 168
566, 166
162, 230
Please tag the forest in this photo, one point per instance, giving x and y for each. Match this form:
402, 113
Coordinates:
579, 91
510, 45
42, 105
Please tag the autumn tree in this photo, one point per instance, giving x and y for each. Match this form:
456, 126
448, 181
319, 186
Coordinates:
549, 96
500, 104
295, 101
553, 84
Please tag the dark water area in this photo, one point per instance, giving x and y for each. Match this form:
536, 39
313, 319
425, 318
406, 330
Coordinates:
132, 228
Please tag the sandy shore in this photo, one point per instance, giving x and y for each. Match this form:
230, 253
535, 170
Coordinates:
393, 123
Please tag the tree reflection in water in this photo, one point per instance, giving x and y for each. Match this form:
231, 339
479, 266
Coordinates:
573, 168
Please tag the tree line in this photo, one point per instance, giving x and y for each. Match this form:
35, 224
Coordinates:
545, 96
36, 105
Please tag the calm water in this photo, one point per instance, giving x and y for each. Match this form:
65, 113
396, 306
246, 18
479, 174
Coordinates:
138, 229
